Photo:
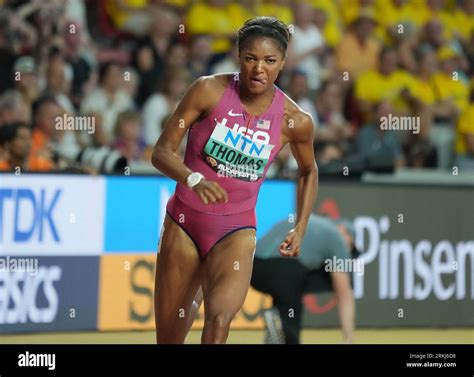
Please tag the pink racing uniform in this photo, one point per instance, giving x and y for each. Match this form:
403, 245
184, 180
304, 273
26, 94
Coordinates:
235, 150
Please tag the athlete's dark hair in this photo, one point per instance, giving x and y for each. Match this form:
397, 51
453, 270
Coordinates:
264, 27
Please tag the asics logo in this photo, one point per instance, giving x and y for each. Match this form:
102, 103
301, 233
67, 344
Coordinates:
233, 114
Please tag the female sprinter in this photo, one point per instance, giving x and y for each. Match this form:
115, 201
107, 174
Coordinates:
237, 124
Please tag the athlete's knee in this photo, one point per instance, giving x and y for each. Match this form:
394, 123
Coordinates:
219, 321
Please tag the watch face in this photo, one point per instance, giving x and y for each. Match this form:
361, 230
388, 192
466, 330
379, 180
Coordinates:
194, 178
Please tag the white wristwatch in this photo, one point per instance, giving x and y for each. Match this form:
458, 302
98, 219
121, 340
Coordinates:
193, 179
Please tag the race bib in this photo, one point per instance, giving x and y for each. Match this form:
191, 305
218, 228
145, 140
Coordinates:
232, 154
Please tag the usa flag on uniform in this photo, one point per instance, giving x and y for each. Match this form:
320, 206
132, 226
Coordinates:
264, 124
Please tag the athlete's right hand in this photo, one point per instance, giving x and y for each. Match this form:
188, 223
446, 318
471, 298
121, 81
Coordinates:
211, 192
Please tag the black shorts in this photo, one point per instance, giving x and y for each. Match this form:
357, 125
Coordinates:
277, 275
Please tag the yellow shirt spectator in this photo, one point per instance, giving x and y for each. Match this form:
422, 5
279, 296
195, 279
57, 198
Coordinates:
332, 31
119, 15
349, 9
425, 14
464, 23
390, 15
407, 12
282, 12
465, 127
447, 88
355, 58
239, 14
204, 18
374, 87
424, 90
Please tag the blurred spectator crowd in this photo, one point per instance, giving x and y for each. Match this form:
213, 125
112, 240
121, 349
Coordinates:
87, 85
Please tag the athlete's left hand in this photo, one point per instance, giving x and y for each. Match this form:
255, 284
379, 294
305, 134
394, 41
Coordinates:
291, 246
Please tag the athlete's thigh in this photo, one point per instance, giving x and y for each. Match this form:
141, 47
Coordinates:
226, 273
177, 274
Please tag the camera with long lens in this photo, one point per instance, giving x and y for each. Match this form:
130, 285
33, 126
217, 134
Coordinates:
104, 160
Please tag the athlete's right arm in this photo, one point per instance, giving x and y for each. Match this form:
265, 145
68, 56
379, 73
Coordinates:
199, 99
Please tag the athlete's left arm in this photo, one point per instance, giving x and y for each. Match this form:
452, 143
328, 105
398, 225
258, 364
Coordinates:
301, 136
